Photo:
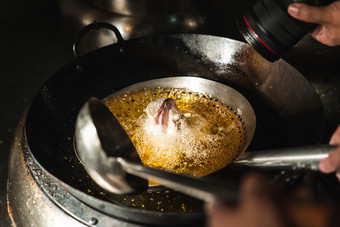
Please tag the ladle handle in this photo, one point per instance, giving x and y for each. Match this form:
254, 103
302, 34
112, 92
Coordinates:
306, 157
198, 188
297, 211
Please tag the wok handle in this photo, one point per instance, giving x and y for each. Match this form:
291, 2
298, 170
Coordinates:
306, 157
207, 191
94, 25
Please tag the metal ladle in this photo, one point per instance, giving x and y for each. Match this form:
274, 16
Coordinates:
109, 157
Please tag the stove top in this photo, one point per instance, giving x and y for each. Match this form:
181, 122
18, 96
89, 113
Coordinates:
33, 49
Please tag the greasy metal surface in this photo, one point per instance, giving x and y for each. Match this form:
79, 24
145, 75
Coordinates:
40, 193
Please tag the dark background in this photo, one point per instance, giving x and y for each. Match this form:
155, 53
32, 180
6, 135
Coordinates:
33, 46
30, 51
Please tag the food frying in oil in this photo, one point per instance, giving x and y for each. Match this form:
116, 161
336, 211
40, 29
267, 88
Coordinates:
178, 130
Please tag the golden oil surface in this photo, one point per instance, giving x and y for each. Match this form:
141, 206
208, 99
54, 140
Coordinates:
214, 138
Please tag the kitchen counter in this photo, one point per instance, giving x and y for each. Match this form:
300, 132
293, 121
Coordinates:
32, 49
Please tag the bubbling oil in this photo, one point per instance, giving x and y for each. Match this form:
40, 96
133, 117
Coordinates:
213, 139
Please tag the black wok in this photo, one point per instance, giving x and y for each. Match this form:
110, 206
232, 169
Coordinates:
288, 110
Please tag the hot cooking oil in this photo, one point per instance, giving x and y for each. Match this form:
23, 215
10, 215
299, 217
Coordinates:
212, 140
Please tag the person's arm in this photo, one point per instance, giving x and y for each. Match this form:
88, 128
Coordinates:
328, 18
332, 162
264, 205
257, 207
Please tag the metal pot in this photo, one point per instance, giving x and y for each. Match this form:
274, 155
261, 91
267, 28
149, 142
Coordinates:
75, 14
144, 7
43, 166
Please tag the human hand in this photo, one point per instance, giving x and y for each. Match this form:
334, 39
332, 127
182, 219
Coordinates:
257, 207
332, 162
327, 18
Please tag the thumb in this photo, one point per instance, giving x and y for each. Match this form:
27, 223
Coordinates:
331, 163
311, 14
